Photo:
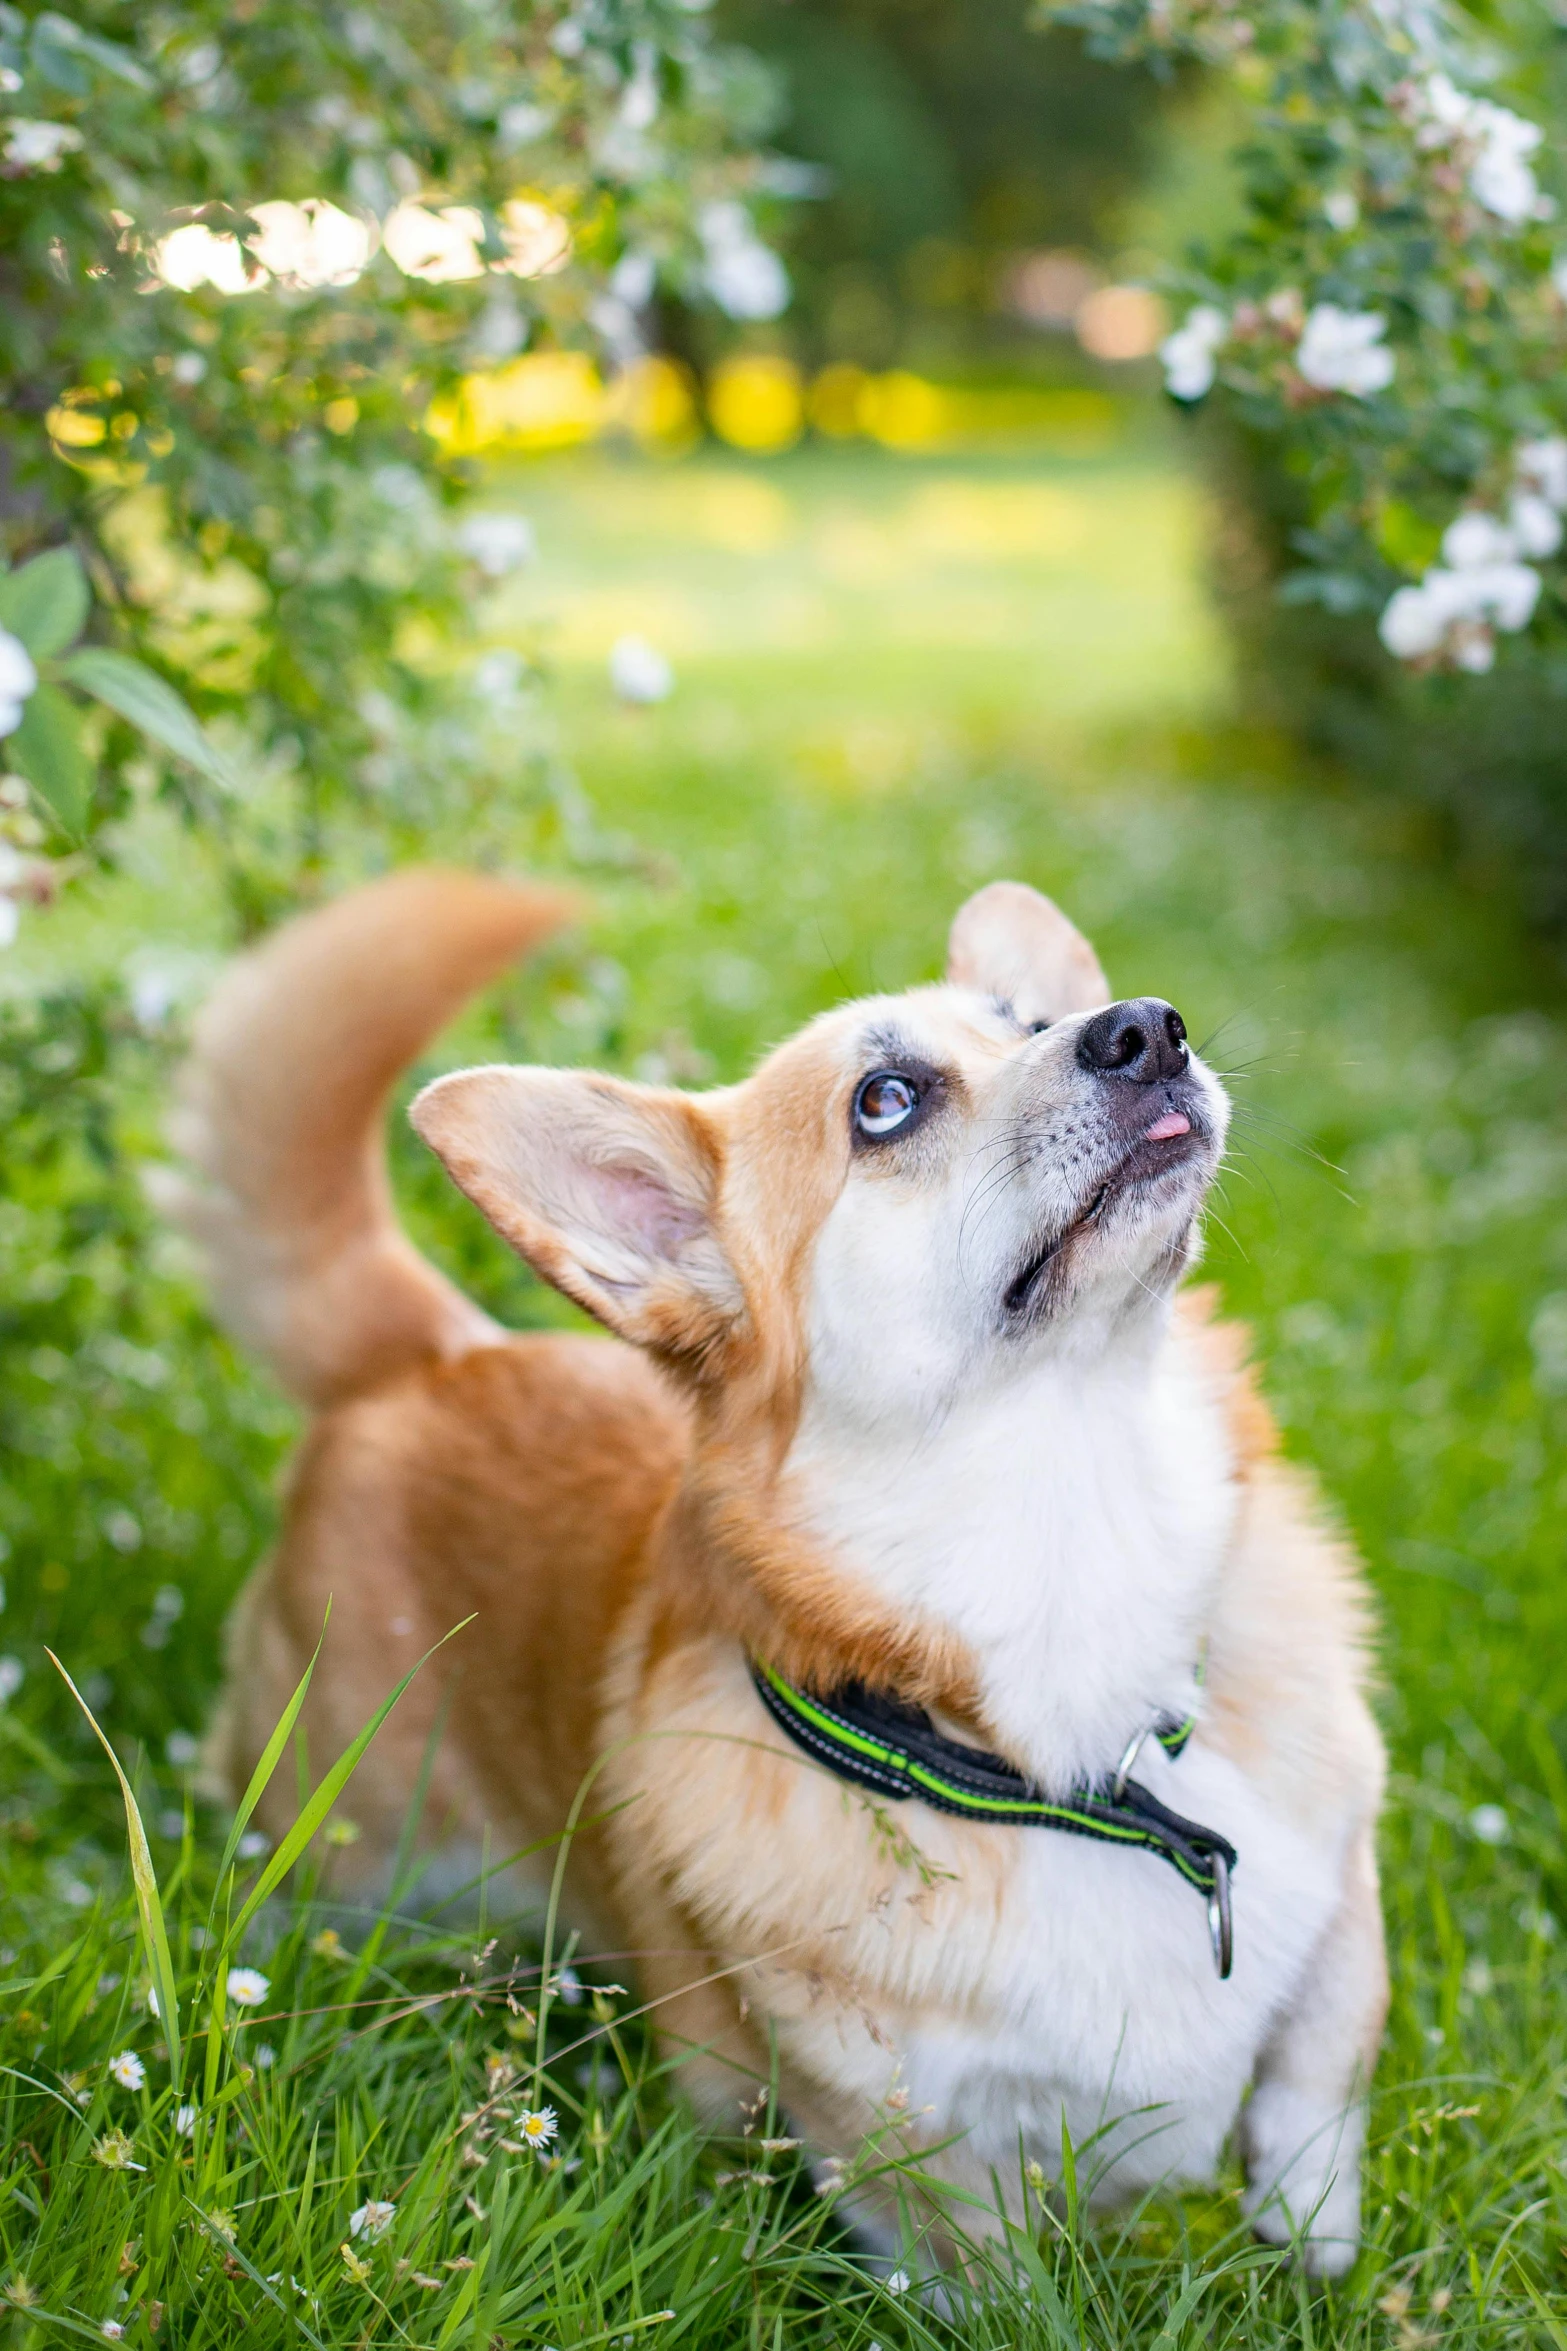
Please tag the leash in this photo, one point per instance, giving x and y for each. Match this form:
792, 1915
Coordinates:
879, 1743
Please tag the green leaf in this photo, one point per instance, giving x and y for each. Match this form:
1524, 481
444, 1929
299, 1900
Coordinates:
46, 602
142, 697
47, 748
59, 34
154, 1933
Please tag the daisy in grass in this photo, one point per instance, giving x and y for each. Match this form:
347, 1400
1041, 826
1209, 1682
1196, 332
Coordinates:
248, 1987
128, 2070
537, 2130
372, 2220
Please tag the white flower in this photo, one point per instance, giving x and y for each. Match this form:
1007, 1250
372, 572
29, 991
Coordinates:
189, 367
252, 1845
441, 247
1490, 1824
1505, 593
1190, 354
638, 671
1454, 612
1541, 468
113, 2329
745, 277
247, 1986
1535, 524
128, 2070
38, 146
12, 1671
1342, 208
266, 2056
1477, 538
18, 677
537, 2130
1500, 177
898, 2282
1498, 141
310, 244
497, 543
184, 2121
372, 2220
1342, 350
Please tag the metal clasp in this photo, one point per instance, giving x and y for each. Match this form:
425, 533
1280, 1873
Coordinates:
1123, 1770
1221, 1924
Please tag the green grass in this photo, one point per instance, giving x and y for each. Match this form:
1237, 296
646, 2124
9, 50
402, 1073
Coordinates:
896, 680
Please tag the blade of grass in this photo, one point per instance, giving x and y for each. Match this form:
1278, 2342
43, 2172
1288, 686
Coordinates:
271, 1755
314, 1812
155, 1934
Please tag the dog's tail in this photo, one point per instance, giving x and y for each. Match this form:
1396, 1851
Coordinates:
279, 1121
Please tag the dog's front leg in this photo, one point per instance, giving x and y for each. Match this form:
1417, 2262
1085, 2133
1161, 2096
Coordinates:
1304, 2128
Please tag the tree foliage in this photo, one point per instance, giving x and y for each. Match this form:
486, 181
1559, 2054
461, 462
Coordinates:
243, 246
1393, 306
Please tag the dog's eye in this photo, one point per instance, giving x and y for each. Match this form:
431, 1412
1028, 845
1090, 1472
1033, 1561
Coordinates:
884, 1102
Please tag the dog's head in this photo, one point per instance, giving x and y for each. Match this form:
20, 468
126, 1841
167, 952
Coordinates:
911, 1196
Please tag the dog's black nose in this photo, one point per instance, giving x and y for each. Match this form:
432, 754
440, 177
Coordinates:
1143, 1039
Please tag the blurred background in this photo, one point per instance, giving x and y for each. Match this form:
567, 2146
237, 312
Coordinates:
853, 559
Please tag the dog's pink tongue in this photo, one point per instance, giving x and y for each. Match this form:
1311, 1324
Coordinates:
1164, 1130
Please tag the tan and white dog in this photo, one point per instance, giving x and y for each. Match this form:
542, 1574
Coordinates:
901, 1395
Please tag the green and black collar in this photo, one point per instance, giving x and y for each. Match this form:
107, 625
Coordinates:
896, 1750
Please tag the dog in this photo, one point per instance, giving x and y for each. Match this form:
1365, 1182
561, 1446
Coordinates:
830, 1601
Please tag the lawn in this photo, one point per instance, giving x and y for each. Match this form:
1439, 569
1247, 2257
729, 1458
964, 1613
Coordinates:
896, 678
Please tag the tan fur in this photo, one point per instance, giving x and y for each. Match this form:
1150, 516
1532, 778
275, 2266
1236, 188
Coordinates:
612, 1518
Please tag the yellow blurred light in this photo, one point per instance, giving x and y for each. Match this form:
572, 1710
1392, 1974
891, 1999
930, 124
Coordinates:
547, 400
835, 401
73, 429
536, 237
757, 404
1121, 322
654, 400
340, 416
903, 411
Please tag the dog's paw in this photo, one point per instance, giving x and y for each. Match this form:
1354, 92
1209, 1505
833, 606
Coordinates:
1303, 2165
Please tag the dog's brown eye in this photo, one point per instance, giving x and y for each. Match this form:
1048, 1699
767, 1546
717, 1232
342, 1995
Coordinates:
884, 1102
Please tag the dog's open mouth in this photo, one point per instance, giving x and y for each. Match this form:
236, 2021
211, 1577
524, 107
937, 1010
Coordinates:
1162, 1147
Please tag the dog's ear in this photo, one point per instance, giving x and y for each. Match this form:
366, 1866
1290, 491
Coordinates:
1012, 942
607, 1189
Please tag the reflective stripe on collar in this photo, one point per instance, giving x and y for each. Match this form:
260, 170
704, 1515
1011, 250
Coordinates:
896, 1750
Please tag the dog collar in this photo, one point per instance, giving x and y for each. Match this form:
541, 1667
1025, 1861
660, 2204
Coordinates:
879, 1743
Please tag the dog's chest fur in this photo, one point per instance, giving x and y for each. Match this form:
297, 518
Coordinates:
1068, 1527
1073, 1534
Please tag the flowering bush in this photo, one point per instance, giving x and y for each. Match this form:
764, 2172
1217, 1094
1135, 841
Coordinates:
1394, 307
245, 247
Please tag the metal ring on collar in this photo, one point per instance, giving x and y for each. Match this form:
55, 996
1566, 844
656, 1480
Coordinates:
1134, 1748
1221, 1924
